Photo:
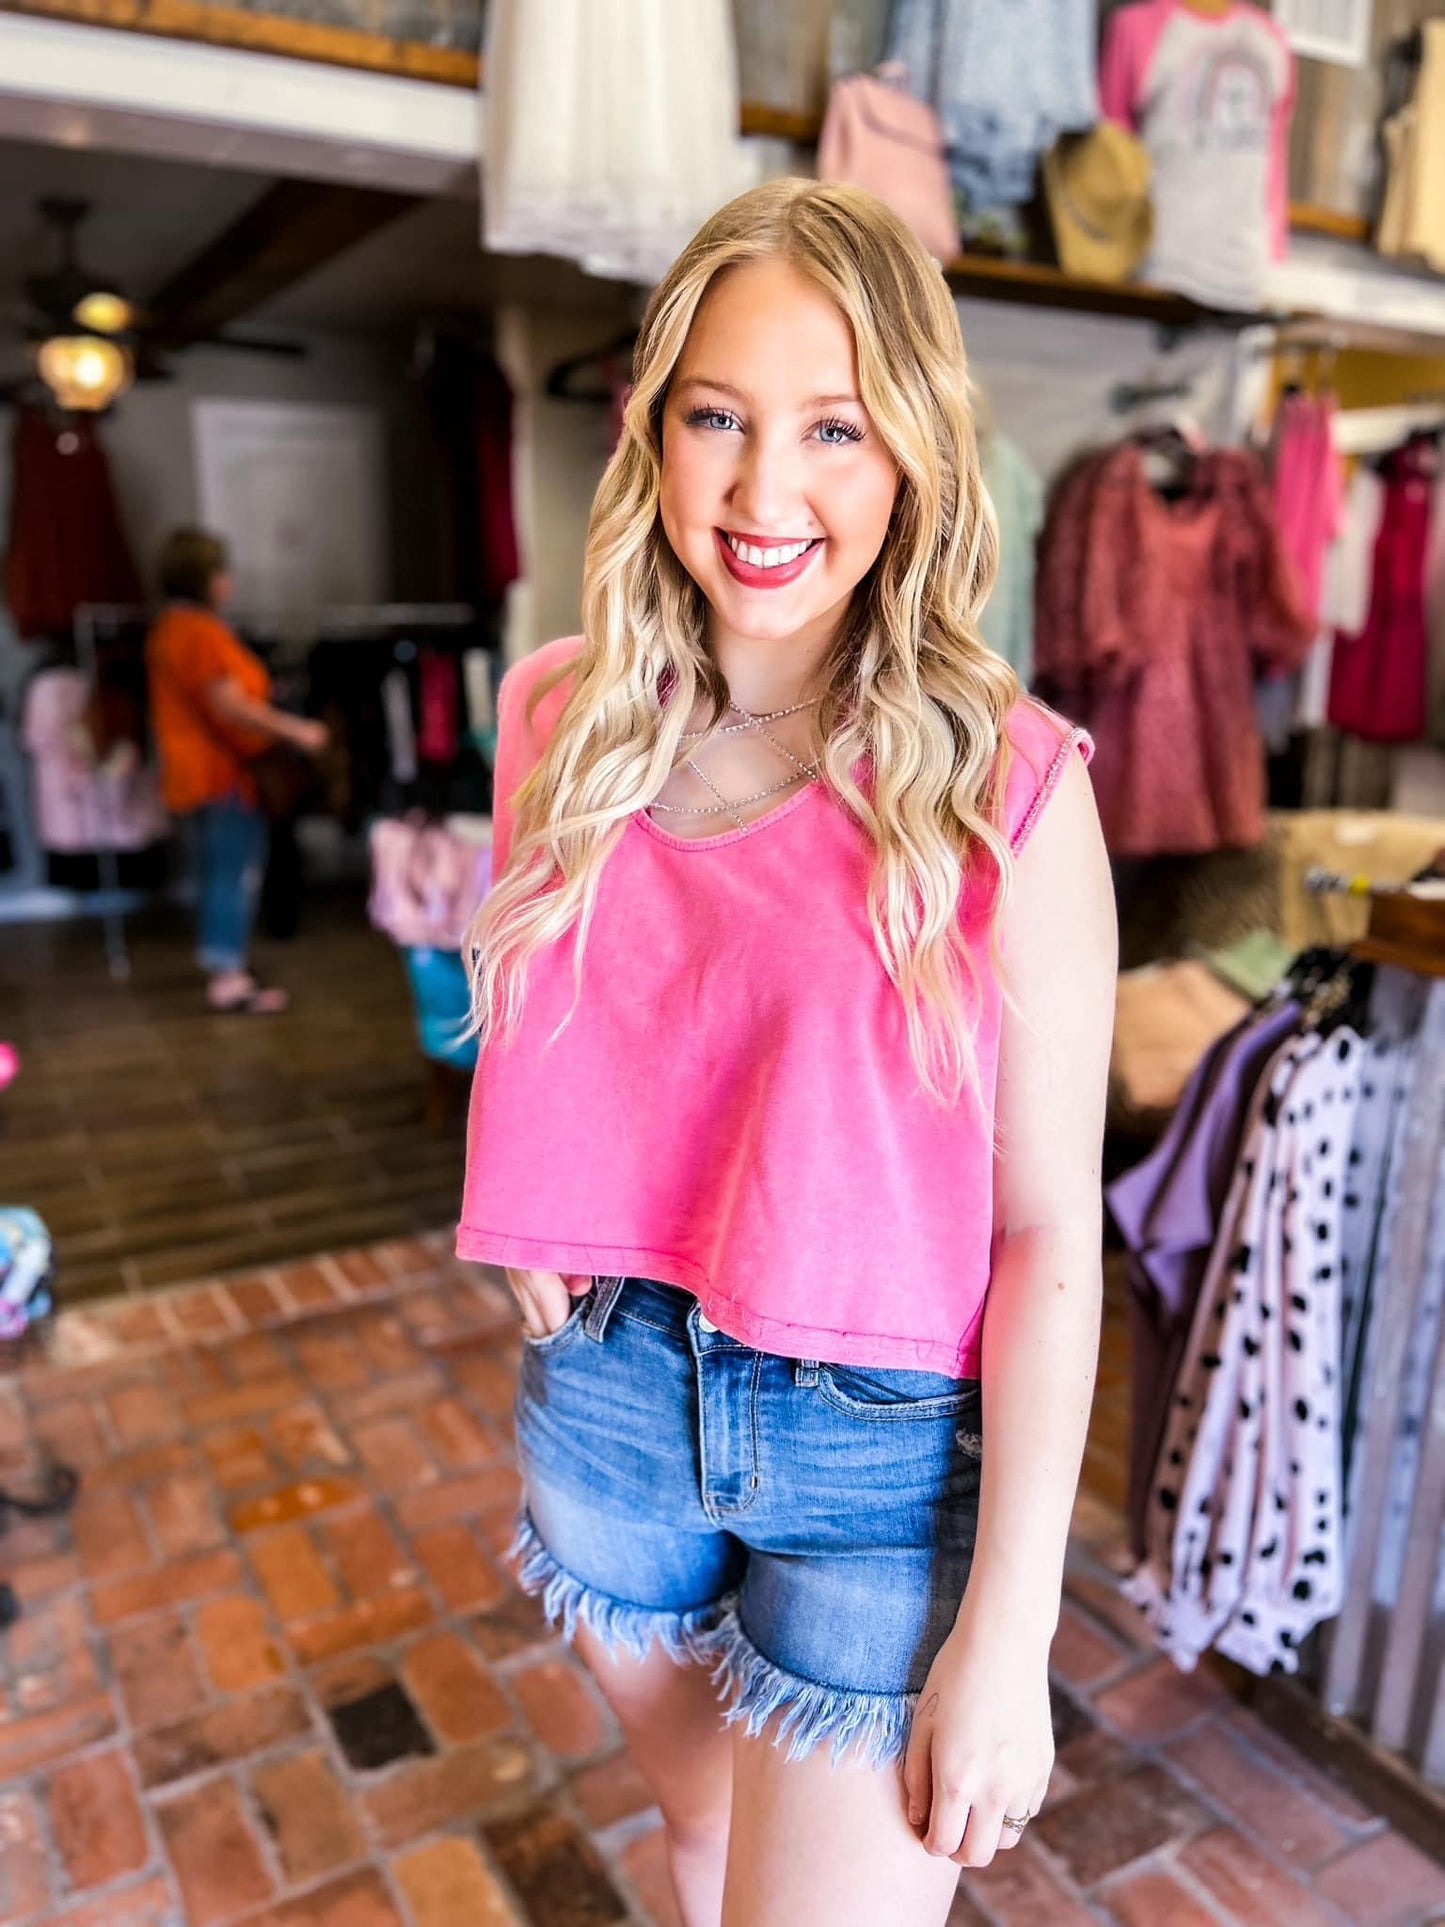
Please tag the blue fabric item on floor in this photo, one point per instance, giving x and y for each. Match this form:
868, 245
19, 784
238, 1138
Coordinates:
442, 1000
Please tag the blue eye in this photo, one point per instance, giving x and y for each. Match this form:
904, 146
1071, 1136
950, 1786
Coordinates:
836, 434
717, 418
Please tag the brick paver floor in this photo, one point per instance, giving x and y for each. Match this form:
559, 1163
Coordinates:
272, 1670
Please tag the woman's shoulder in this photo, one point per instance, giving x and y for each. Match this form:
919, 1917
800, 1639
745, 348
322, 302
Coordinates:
181, 627
524, 678
1041, 744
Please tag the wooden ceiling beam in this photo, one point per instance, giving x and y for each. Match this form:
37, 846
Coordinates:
293, 229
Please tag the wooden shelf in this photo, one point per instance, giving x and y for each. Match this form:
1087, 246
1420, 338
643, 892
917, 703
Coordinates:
1036, 284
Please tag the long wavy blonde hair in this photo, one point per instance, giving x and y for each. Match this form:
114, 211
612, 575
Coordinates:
910, 719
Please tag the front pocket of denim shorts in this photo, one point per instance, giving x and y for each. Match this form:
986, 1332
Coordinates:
564, 1334
879, 1392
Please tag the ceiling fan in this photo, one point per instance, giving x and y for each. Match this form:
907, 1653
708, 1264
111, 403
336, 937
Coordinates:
88, 340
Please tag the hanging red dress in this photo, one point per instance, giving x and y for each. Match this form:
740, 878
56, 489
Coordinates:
66, 545
1378, 678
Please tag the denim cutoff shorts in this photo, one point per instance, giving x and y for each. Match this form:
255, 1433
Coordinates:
804, 1529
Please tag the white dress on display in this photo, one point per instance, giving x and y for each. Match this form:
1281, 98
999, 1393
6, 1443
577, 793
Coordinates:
610, 129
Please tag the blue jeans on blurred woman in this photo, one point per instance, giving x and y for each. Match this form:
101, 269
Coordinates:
231, 850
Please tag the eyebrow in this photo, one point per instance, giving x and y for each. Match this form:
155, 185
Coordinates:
739, 394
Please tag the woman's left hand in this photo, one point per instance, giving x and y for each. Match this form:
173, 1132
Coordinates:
982, 1744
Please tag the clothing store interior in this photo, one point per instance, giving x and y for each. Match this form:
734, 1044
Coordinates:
308, 373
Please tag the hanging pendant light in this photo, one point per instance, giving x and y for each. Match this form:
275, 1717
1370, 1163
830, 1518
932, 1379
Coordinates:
85, 373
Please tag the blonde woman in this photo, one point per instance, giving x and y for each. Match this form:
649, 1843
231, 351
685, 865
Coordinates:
795, 996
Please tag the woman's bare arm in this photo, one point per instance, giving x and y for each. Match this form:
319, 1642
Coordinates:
230, 703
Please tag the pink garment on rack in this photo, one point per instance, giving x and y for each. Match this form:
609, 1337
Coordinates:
1378, 678
1152, 621
80, 807
427, 882
1308, 489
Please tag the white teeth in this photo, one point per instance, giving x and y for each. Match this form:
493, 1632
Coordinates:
767, 558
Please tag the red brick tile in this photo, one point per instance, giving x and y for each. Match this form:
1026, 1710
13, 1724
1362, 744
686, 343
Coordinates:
392, 1454
1082, 1653
1021, 1890
366, 1623
306, 1285
1152, 1897
308, 1816
612, 1790
183, 1514
427, 1795
1278, 1751
238, 1648
386, 1342
189, 1369
1235, 1874
1159, 1701
213, 1852
231, 1731
453, 1690
252, 1356
36, 1579
109, 1535
561, 1707
511, 1626
356, 1900
644, 1861
146, 1462
304, 1437
145, 1903
156, 1671
362, 1270
489, 1381
254, 1299
143, 1415
465, 1580
243, 1401
556, 1870
446, 1884
70, 1431
406, 1393
202, 1312
1102, 1598
38, 1738
289, 1567
51, 1663
496, 1531
459, 1498
337, 1682
170, 1585
302, 1499
96, 1821
137, 1325
365, 1552
24, 1874
330, 1358
237, 1456
456, 1438
1297, 1828
1117, 1821
1384, 1882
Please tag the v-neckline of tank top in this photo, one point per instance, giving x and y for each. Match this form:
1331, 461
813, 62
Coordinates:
724, 837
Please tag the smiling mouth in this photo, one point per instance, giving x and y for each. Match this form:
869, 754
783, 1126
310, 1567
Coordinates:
768, 555
770, 565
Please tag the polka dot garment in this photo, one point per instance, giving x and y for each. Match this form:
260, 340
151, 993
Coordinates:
1243, 1527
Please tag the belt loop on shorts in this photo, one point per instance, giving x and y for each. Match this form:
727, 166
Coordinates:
805, 1372
605, 1294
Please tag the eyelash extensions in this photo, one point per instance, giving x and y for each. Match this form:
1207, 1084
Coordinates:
699, 417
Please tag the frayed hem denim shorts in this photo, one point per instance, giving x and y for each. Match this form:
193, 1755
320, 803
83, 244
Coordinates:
803, 1529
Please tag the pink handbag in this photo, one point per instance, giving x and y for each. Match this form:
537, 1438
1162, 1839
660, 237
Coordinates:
880, 138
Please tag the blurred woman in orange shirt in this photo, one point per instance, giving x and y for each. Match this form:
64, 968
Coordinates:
211, 716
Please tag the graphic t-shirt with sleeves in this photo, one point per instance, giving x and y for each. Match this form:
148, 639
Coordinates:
1210, 95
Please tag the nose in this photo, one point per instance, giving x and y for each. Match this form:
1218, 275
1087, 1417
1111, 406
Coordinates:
767, 494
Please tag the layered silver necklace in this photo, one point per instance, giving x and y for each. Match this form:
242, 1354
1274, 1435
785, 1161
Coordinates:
801, 772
